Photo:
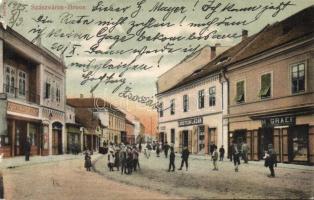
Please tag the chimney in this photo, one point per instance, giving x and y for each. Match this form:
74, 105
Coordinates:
212, 52
81, 96
245, 34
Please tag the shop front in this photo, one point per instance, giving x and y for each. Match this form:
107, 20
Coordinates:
291, 136
73, 138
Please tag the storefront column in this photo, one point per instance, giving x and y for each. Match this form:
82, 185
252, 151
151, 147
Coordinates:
82, 138
225, 130
13, 138
64, 140
50, 138
1, 68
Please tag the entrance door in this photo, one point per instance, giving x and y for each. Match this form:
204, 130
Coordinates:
185, 138
20, 137
161, 137
266, 137
56, 138
201, 139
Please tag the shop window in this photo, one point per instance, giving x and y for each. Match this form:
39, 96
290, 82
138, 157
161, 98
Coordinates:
47, 90
240, 96
298, 78
22, 83
298, 143
32, 134
265, 91
185, 103
173, 135
212, 96
172, 107
201, 99
161, 110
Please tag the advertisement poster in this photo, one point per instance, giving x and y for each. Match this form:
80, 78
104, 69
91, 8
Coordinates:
156, 99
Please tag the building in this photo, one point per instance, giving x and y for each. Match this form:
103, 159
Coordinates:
271, 84
74, 131
191, 105
130, 136
32, 80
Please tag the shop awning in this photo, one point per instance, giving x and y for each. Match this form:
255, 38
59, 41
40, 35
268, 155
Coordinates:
308, 110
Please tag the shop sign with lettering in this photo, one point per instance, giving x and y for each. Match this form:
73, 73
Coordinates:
278, 121
190, 121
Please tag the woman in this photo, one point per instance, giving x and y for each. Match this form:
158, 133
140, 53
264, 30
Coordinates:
88, 162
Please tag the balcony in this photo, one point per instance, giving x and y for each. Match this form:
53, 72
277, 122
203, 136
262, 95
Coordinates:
26, 95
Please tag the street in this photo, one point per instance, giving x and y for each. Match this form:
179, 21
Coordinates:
65, 177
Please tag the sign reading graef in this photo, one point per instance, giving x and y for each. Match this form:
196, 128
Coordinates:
22, 109
278, 121
191, 121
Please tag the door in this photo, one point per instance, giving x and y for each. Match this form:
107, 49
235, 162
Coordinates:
201, 139
20, 137
266, 137
298, 139
185, 141
56, 138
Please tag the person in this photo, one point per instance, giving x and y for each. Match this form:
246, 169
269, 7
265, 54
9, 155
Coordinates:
215, 158
148, 150
140, 147
154, 145
88, 162
245, 150
166, 149
157, 149
271, 160
123, 159
135, 158
117, 159
185, 158
236, 156
129, 160
111, 160
221, 153
230, 152
212, 148
27, 149
172, 159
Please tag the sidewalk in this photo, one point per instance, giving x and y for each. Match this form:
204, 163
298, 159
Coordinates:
20, 160
261, 162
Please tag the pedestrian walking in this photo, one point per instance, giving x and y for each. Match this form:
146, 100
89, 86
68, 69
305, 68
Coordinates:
172, 159
123, 160
212, 148
236, 156
230, 152
88, 161
111, 160
158, 149
221, 153
271, 160
27, 149
245, 150
166, 149
129, 161
117, 158
135, 158
185, 158
215, 159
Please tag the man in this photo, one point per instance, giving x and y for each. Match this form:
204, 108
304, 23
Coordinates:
185, 158
166, 149
236, 156
172, 159
123, 159
27, 149
221, 153
272, 160
215, 158
245, 150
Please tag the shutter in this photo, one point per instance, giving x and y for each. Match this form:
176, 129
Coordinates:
206, 139
311, 144
255, 145
285, 143
277, 143
249, 143
215, 136
194, 139
190, 140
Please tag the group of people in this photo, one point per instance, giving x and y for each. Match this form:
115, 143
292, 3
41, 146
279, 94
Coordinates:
125, 157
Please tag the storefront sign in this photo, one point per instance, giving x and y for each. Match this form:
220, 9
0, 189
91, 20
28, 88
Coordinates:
23, 109
190, 121
279, 121
162, 128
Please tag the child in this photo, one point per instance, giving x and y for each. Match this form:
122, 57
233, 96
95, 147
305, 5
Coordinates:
215, 158
111, 160
88, 162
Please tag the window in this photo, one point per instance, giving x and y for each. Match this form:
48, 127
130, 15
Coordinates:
240, 97
201, 98
22, 83
10, 80
185, 103
58, 95
298, 78
212, 96
173, 135
172, 107
47, 93
161, 111
265, 91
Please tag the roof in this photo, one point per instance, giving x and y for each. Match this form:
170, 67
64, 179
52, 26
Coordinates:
86, 117
292, 28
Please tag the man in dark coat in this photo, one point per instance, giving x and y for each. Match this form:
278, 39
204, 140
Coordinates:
166, 149
27, 149
236, 156
172, 159
221, 153
185, 158
272, 160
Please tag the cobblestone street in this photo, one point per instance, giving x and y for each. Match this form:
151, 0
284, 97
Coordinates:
292, 181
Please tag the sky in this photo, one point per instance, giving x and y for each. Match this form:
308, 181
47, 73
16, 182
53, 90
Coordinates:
175, 19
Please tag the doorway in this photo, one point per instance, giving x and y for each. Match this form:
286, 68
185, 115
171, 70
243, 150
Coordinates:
185, 138
266, 137
56, 138
201, 139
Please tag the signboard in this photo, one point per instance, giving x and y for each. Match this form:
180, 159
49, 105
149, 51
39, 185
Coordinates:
278, 121
190, 121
